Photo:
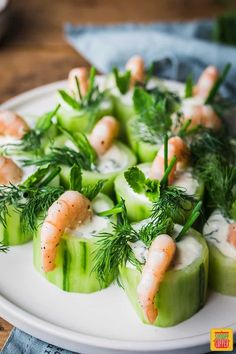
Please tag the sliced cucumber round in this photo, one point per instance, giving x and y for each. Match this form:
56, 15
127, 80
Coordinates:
83, 120
182, 291
75, 257
140, 207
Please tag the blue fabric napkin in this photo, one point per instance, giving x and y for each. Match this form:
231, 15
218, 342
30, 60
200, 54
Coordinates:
178, 49
21, 343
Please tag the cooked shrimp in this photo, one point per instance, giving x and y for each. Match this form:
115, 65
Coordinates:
103, 134
9, 171
176, 147
69, 211
206, 81
11, 124
82, 76
231, 237
203, 115
160, 256
136, 66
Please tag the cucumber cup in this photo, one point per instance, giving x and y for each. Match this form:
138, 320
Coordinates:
222, 255
76, 252
117, 159
83, 120
11, 231
140, 207
184, 287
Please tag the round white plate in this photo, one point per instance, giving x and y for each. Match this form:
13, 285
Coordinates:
104, 322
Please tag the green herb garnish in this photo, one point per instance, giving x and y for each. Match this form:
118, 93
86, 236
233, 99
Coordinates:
154, 109
85, 157
140, 184
189, 87
32, 140
215, 89
89, 191
30, 199
122, 80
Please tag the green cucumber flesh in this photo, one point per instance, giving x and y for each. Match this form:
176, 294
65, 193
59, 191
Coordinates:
222, 272
80, 120
139, 207
74, 260
144, 151
182, 292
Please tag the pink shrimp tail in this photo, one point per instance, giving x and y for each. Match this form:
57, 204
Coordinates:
206, 81
176, 147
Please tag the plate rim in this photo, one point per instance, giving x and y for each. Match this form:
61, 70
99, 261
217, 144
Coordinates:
40, 328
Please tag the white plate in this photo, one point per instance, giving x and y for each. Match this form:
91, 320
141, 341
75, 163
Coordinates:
103, 322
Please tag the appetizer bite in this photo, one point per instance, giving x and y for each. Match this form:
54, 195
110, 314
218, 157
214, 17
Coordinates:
141, 186
100, 155
21, 204
84, 104
162, 267
217, 169
65, 245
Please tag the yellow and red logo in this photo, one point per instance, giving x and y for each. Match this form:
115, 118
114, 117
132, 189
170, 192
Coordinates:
222, 339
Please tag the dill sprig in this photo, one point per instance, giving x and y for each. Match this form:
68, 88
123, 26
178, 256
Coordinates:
173, 203
29, 199
190, 221
112, 248
32, 140
214, 163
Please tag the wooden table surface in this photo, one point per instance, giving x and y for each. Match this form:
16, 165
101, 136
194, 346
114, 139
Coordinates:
35, 53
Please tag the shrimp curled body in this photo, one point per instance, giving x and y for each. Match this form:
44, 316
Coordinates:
206, 81
9, 171
202, 115
68, 211
231, 237
82, 76
176, 147
103, 134
11, 124
136, 66
160, 256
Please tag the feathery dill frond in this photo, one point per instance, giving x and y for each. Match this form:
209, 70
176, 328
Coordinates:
113, 249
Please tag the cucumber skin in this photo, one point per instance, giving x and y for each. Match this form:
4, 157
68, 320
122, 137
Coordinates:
11, 235
222, 272
92, 177
182, 292
78, 121
145, 152
123, 112
138, 209
74, 263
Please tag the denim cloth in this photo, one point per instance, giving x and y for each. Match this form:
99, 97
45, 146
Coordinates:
177, 49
